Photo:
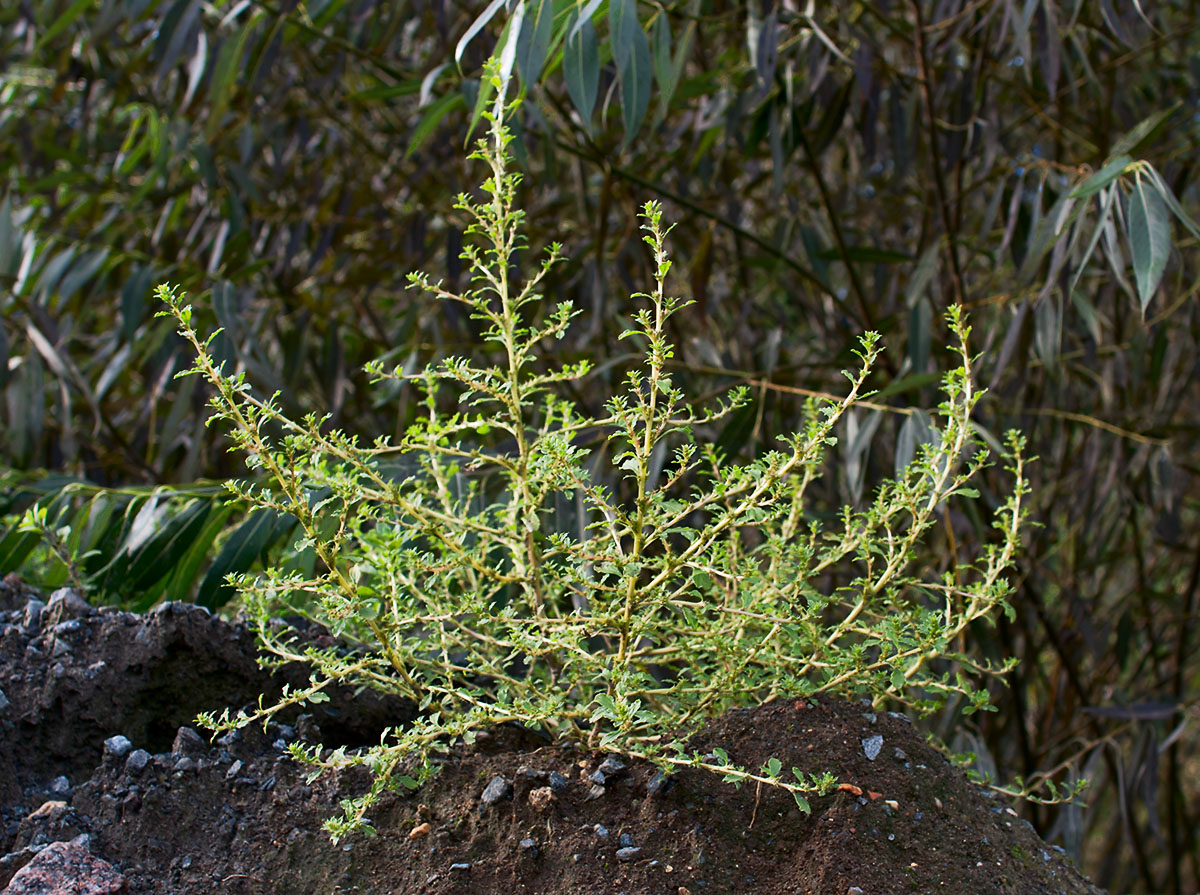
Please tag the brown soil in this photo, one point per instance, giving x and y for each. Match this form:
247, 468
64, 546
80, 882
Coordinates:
237, 816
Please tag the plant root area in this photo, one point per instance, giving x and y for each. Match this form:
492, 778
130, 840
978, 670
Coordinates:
102, 773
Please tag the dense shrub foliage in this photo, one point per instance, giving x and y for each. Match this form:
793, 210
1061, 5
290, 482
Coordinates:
693, 586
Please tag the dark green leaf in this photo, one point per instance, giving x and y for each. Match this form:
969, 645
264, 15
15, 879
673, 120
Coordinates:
1137, 135
581, 68
434, 113
243, 549
920, 334
865, 255
533, 41
1102, 178
1149, 233
916, 430
636, 77
63, 22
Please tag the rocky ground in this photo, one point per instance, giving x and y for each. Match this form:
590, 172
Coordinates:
105, 787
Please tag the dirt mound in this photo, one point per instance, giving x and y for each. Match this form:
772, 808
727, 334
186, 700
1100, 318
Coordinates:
92, 752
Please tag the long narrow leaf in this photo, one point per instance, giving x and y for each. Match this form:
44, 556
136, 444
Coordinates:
240, 553
581, 68
533, 41
476, 26
1149, 232
1102, 178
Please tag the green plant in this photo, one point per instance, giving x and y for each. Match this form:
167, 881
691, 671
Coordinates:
695, 585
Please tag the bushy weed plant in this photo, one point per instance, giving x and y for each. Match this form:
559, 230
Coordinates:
692, 585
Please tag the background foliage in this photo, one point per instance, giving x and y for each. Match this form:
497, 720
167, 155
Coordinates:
834, 170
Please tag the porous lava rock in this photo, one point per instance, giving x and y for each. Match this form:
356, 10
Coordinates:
97, 751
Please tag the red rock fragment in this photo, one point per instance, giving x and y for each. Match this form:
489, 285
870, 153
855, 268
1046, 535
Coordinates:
66, 868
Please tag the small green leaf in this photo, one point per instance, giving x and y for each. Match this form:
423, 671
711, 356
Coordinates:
802, 803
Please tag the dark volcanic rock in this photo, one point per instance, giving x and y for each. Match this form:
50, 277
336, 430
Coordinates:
173, 815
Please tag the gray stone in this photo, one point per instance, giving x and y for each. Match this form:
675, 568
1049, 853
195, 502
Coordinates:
871, 746
625, 841
31, 621
498, 788
188, 742
659, 784
557, 781
137, 761
117, 746
67, 603
613, 767
60, 785
628, 854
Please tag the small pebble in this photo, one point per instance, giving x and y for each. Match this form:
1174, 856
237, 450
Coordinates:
625, 841
419, 830
234, 770
601, 831
66, 602
117, 746
595, 792
658, 784
557, 781
60, 785
598, 778
188, 742
871, 746
461, 867
498, 788
529, 847
854, 890
137, 761
612, 767
628, 854
32, 619
541, 798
